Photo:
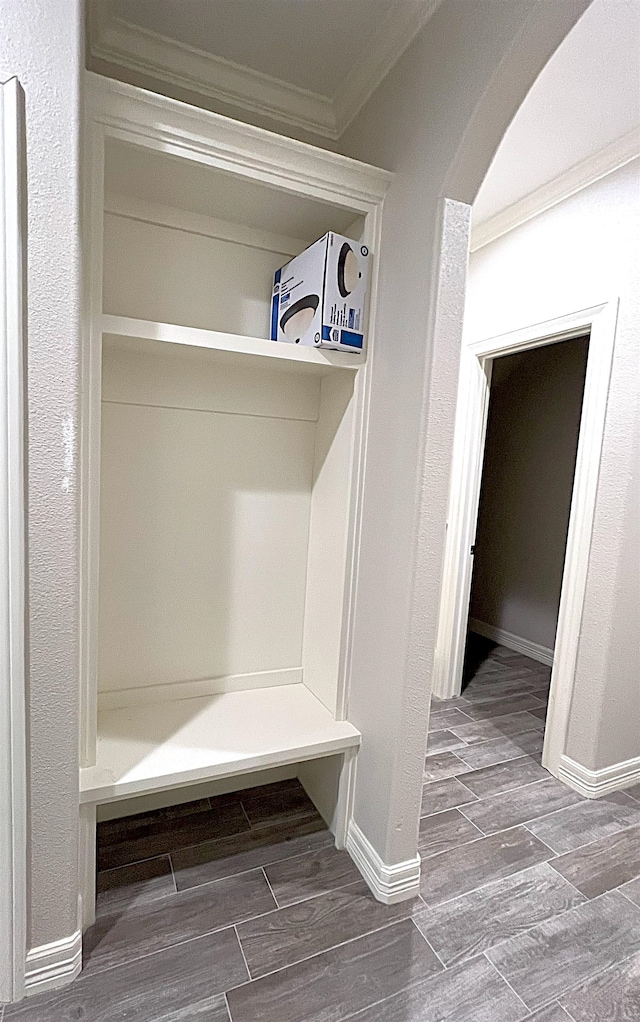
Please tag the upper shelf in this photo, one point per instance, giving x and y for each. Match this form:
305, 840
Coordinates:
237, 347
156, 746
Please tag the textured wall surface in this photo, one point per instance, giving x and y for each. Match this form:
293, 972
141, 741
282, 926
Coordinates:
436, 121
527, 481
577, 254
40, 43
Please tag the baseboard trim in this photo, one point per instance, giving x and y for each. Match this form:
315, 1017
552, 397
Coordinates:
389, 883
53, 965
515, 642
596, 783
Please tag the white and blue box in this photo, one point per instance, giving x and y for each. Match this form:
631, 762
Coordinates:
319, 296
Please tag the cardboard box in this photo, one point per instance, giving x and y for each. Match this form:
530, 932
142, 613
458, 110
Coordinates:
319, 296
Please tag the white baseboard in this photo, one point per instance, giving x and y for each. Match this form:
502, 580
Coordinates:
388, 884
595, 783
511, 641
53, 965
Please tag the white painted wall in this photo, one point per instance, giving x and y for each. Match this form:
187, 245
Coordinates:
435, 121
581, 252
527, 480
41, 44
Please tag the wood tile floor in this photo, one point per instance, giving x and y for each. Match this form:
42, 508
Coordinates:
239, 908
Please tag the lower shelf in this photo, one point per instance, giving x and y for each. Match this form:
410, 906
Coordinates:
142, 749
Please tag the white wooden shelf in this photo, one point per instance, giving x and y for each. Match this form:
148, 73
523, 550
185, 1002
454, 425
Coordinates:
236, 346
144, 749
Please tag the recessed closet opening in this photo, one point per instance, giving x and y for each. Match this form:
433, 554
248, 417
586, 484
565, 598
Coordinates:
222, 477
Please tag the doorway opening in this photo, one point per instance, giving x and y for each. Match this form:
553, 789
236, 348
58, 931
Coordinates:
531, 444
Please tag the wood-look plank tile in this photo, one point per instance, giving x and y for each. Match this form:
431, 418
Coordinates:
181, 984
632, 891
443, 764
252, 849
306, 876
475, 922
443, 831
477, 731
515, 684
499, 707
273, 803
291, 934
456, 702
500, 750
442, 741
125, 828
480, 862
539, 711
446, 794
634, 792
117, 939
552, 1013
156, 837
337, 983
603, 865
521, 805
495, 780
138, 884
586, 822
444, 719
614, 994
558, 954
473, 992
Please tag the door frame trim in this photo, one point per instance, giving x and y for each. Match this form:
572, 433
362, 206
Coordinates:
599, 321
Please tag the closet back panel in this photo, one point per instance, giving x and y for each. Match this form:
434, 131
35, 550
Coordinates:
169, 275
204, 521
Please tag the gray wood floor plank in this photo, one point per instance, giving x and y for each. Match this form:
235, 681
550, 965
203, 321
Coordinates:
473, 992
558, 954
478, 731
281, 803
182, 984
539, 711
443, 764
634, 792
444, 831
440, 719
552, 1013
494, 780
521, 805
517, 683
632, 891
446, 794
285, 937
117, 939
475, 922
587, 821
480, 862
614, 994
306, 876
214, 860
603, 865
500, 707
339, 982
500, 750
137, 884
442, 741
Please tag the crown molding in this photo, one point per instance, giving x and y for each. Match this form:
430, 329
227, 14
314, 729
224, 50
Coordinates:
581, 175
119, 42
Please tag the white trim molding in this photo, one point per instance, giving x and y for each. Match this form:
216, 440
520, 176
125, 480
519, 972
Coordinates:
389, 883
596, 783
599, 322
515, 642
117, 41
53, 965
13, 641
617, 154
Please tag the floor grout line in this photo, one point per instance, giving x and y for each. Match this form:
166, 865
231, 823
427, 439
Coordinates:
244, 959
173, 876
428, 943
514, 992
264, 873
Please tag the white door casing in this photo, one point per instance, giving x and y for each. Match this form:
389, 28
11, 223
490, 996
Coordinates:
599, 321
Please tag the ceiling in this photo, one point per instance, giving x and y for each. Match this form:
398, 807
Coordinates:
585, 100
312, 63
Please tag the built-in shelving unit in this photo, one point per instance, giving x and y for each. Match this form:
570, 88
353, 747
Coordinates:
221, 472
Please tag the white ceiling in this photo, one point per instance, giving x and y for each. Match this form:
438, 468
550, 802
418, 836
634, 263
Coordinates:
309, 43
586, 97
312, 63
